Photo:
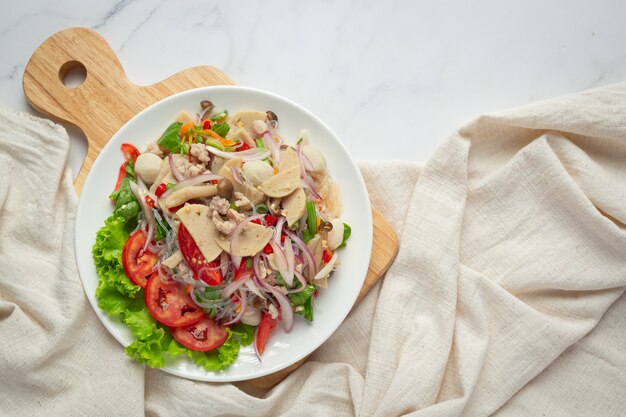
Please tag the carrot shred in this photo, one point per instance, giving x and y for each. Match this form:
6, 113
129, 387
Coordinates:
188, 288
184, 128
225, 142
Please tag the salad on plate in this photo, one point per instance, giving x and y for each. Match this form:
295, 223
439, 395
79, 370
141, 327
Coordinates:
221, 231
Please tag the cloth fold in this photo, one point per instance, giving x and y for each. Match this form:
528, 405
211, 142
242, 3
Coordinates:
506, 296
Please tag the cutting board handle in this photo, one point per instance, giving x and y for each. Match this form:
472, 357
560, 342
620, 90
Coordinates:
106, 100
86, 105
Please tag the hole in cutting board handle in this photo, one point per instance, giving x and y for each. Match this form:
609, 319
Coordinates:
72, 74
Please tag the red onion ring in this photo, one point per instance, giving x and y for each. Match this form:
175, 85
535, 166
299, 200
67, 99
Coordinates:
302, 280
286, 309
281, 262
308, 181
272, 146
289, 256
243, 303
306, 251
232, 287
256, 350
175, 172
247, 155
279, 229
236, 175
147, 212
224, 263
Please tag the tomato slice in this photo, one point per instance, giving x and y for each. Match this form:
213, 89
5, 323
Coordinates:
138, 263
207, 272
243, 271
265, 330
170, 304
202, 336
130, 152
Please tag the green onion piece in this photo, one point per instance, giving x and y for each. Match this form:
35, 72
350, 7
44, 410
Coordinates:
262, 208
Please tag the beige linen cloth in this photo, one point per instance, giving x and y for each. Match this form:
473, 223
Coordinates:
506, 297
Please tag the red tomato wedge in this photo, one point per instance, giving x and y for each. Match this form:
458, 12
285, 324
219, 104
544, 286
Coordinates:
265, 330
243, 271
130, 152
202, 336
170, 304
121, 176
138, 263
207, 272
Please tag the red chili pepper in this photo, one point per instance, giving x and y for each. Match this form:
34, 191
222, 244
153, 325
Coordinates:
130, 152
206, 124
256, 221
268, 249
271, 220
160, 189
243, 147
121, 176
149, 201
315, 293
327, 255
174, 209
282, 238
214, 182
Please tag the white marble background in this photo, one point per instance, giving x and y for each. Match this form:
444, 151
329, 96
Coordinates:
391, 77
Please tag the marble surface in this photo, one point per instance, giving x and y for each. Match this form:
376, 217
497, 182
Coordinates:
392, 78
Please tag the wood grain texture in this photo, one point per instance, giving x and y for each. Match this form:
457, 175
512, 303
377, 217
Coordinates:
107, 100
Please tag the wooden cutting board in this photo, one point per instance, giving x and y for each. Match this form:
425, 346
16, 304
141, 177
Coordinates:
107, 100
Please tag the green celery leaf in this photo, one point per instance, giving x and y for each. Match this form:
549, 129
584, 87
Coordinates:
221, 129
347, 231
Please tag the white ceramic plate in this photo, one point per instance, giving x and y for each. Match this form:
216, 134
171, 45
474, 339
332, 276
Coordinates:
332, 305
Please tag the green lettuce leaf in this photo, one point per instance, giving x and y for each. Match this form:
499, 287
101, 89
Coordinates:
303, 299
107, 255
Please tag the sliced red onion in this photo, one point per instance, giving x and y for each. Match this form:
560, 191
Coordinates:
279, 229
198, 179
281, 262
286, 309
308, 181
235, 234
253, 287
175, 172
243, 303
306, 251
306, 162
270, 144
236, 175
302, 280
224, 263
244, 155
256, 267
289, 256
144, 188
166, 279
328, 267
273, 125
235, 261
147, 212
256, 349
232, 287
201, 115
